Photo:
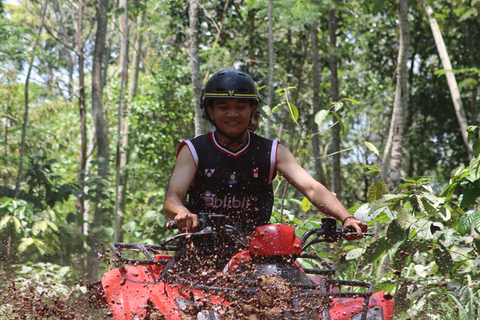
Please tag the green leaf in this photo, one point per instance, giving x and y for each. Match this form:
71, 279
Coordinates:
52, 225
472, 133
339, 120
321, 116
376, 191
275, 108
465, 224
337, 105
372, 148
293, 112
370, 171
306, 204
404, 218
476, 221
26, 242
377, 249
394, 198
17, 224
4, 222
39, 245
395, 233
351, 100
150, 214
443, 259
401, 255
130, 226
35, 228
476, 146
43, 225
4, 202
444, 213
355, 253
470, 197
475, 168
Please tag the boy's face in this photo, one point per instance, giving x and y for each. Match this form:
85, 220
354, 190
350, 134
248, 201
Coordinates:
232, 116
255, 121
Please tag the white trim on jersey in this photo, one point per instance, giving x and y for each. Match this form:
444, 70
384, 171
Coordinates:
192, 151
273, 160
235, 154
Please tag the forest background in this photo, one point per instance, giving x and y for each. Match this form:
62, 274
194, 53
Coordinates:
377, 99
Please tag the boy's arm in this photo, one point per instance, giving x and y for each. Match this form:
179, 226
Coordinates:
318, 194
182, 176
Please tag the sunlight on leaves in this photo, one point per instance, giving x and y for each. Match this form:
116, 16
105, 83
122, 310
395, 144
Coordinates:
372, 148
320, 117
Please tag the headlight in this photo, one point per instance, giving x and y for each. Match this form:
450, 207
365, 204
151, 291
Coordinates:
208, 315
191, 308
375, 313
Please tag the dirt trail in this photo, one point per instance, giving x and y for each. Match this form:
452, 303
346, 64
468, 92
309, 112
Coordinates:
25, 303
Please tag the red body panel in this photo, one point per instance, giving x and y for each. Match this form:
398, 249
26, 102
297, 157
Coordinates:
127, 289
345, 308
276, 240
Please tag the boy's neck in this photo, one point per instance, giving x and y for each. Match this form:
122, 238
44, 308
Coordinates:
232, 146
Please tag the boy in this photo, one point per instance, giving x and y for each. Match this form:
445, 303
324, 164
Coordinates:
231, 167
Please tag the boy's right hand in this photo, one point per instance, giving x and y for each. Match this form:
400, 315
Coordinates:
186, 221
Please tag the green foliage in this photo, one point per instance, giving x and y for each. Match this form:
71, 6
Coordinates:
23, 232
423, 227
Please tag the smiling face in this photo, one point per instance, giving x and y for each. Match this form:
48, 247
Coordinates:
232, 116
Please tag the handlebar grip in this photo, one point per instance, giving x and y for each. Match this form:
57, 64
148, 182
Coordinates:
171, 225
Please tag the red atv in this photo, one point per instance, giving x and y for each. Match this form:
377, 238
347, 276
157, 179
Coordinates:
266, 280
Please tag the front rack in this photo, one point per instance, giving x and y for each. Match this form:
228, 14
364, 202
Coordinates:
145, 249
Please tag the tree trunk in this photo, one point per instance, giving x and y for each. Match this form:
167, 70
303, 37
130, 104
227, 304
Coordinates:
452, 82
251, 41
25, 116
332, 30
394, 154
137, 55
82, 155
270, 66
123, 126
196, 83
60, 14
7, 125
474, 103
319, 175
101, 134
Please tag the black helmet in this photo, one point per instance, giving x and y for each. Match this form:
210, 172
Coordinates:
228, 83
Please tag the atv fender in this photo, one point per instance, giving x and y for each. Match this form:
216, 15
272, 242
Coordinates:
345, 308
127, 290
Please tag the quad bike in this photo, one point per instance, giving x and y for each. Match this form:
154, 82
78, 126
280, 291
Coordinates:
265, 280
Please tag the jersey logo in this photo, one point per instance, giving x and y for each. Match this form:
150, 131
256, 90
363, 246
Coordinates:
209, 172
209, 199
255, 173
232, 178
230, 92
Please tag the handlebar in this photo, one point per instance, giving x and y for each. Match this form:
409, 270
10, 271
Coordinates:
330, 232
208, 224
171, 225
217, 223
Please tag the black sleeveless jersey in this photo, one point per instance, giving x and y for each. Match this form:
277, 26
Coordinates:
235, 184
